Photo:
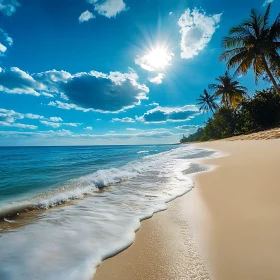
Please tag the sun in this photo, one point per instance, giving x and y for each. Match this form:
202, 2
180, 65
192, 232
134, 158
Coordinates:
158, 58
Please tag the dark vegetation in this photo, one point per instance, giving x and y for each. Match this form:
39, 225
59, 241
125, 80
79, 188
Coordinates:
252, 44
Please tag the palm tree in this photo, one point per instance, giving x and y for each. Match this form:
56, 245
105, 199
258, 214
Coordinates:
207, 102
254, 43
230, 90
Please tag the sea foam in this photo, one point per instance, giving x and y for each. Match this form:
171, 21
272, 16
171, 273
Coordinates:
70, 242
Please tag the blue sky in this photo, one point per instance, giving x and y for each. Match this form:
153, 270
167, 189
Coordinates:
85, 72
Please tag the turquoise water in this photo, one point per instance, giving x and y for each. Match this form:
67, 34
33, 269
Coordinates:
26, 171
111, 189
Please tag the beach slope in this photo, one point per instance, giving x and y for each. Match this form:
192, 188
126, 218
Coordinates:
227, 227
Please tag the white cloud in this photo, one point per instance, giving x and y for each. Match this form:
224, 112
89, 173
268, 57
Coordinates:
16, 81
61, 133
106, 93
33, 116
5, 41
152, 104
86, 91
8, 7
158, 79
169, 114
67, 137
51, 80
266, 2
18, 125
108, 8
188, 126
170, 13
2, 48
55, 119
131, 129
125, 120
47, 94
72, 124
197, 30
10, 116
66, 106
88, 128
52, 124
86, 16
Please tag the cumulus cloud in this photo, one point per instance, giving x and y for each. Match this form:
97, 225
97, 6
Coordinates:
8, 7
5, 41
88, 128
51, 79
55, 119
16, 81
10, 117
104, 93
197, 30
158, 79
169, 114
86, 91
86, 16
126, 119
108, 8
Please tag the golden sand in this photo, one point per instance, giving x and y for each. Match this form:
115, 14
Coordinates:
261, 135
226, 228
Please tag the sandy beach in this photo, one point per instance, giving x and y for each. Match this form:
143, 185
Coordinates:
227, 227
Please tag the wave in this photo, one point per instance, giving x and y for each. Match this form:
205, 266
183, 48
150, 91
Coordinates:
82, 234
92, 183
74, 189
143, 152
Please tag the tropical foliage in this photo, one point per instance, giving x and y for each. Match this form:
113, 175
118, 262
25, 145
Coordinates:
254, 43
207, 102
260, 112
230, 90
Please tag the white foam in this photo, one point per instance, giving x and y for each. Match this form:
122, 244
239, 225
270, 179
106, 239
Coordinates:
69, 242
143, 152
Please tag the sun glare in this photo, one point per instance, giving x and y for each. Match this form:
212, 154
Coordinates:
159, 58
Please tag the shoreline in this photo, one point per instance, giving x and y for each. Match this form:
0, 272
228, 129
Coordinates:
212, 229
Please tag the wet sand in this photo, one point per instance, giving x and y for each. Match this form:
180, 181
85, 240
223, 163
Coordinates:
226, 228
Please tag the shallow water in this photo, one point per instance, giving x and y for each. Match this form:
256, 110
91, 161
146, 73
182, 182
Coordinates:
68, 242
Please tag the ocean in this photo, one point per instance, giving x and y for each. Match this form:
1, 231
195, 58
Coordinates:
65, 209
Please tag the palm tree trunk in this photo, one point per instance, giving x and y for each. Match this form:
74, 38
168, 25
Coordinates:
270, 75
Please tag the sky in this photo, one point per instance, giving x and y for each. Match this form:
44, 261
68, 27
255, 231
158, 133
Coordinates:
105, 72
